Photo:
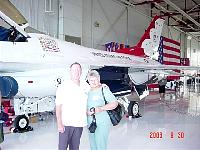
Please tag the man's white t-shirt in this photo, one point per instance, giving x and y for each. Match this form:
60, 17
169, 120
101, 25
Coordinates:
73, 99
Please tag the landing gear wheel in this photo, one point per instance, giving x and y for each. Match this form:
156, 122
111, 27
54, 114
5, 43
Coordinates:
21, 122
133, 109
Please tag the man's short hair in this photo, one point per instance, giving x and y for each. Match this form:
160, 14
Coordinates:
75, 63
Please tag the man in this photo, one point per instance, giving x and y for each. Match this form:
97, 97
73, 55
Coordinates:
71, 103
162, 83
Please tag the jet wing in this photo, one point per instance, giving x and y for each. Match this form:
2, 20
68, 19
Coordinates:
154, 67
164, 67
21, 67
158, 69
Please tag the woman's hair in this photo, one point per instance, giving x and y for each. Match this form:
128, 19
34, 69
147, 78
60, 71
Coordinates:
93, 73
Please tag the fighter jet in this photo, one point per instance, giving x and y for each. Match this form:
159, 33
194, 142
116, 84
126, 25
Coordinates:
39, 63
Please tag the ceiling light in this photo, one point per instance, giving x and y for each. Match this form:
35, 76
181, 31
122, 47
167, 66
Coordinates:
189, 37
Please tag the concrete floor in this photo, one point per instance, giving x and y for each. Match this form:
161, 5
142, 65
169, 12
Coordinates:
170, 123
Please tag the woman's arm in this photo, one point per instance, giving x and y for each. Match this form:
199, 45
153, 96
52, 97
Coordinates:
109, 106
108, 96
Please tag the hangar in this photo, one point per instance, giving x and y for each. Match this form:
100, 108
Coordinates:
114, 27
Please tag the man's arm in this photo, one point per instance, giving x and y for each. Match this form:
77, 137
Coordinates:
59, 118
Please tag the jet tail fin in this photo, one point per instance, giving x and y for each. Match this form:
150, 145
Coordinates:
148, 44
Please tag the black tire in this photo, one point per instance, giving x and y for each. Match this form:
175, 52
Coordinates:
1, 133
133, 109
21, 122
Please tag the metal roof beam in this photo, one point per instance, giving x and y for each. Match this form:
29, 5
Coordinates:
175, 17
182, 12
194, 2
170, 13
178, 29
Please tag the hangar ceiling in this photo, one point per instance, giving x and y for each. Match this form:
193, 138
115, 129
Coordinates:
181, 14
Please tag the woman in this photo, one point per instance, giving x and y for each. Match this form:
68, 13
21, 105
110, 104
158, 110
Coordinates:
98, 140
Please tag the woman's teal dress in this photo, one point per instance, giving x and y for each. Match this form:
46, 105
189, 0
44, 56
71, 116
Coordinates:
98, 140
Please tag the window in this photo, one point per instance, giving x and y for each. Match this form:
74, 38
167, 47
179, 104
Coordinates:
48, 6
73, 39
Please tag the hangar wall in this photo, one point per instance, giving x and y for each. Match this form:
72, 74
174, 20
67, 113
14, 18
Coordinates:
34, 12
97, 22
72, 17
105, 21
193, 51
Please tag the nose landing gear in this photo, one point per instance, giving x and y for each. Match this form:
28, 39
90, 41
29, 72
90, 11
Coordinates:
21, 124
